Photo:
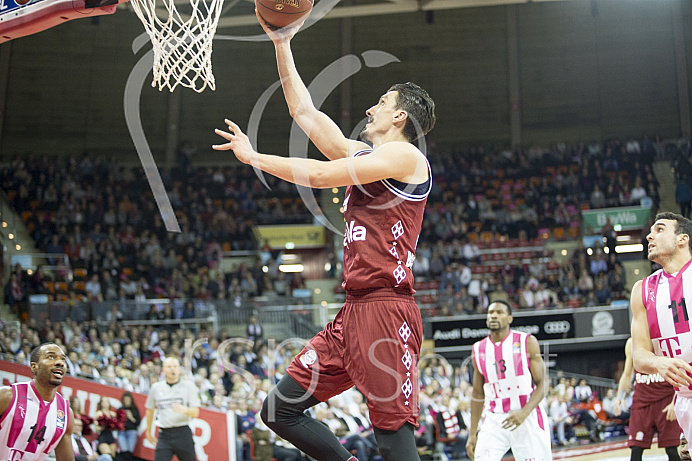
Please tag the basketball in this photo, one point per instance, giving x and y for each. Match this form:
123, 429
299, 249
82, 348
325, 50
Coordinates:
282, 13
21, 2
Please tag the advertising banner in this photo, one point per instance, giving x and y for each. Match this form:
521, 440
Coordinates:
629, 218
565, 327
297, 236
465, 332
213, 431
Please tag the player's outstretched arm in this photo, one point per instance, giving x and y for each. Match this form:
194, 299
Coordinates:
398, 160
64, 450
321, 129
677, 372
477, 401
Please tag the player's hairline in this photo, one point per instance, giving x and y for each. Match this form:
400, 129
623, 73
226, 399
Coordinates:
503, 302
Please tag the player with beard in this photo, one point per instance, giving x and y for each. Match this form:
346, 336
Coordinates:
661, 335
375, 339
34, 417
509, 383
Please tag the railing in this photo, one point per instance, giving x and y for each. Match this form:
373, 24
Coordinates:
598, 385
280, 322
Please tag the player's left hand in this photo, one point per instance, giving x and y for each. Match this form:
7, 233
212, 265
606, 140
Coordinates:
238, 142
669, 410
513, 420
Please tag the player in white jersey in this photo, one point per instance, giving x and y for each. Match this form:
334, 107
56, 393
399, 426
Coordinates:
509, 384
661, 336
34, 417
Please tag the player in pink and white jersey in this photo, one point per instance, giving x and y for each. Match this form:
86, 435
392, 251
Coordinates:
34, 417
661, 336
509, 384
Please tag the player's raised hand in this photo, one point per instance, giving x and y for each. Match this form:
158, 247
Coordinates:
676, 371
238, 142
279, 35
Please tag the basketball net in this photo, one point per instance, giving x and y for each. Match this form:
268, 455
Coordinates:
182, 44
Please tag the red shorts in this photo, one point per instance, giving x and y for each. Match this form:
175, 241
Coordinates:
647, 418
373, 342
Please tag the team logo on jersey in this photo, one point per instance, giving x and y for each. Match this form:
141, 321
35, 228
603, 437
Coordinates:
399, 274
60, 422
308, 358
22, 410
516, 348
397, 230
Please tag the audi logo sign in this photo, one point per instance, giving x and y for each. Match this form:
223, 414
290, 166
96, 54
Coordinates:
557, 327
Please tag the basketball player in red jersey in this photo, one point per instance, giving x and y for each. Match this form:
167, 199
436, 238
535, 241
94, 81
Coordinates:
661, 336
34, 417
375, 339
652, 410
509, 383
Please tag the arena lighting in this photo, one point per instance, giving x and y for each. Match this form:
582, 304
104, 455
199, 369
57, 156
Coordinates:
623, 238
18, 247
589, 251
10, 236
335, 200
335, 190
289, 257
291, 268
631, 248
290, 245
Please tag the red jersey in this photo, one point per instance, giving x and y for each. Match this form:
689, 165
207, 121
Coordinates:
383, 222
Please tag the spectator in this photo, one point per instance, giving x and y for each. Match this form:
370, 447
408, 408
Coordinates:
683, 195
81, 446
127, 438
93, 289
108, 420
583, 391
254, 329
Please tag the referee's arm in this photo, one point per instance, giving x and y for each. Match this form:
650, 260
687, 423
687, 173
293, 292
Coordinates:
192, 412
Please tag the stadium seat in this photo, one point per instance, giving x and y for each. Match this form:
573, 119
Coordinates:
80, 274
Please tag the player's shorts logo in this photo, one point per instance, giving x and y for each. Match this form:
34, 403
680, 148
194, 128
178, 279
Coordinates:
308, 358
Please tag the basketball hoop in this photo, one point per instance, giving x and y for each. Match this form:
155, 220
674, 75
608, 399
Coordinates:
182, 43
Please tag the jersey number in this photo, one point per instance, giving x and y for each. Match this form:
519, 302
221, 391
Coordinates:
674, 307
500, 366
38, 436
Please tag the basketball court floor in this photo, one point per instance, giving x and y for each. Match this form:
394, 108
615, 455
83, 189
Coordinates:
607, 451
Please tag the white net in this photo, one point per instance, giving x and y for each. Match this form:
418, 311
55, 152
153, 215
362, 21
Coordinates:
182, 41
